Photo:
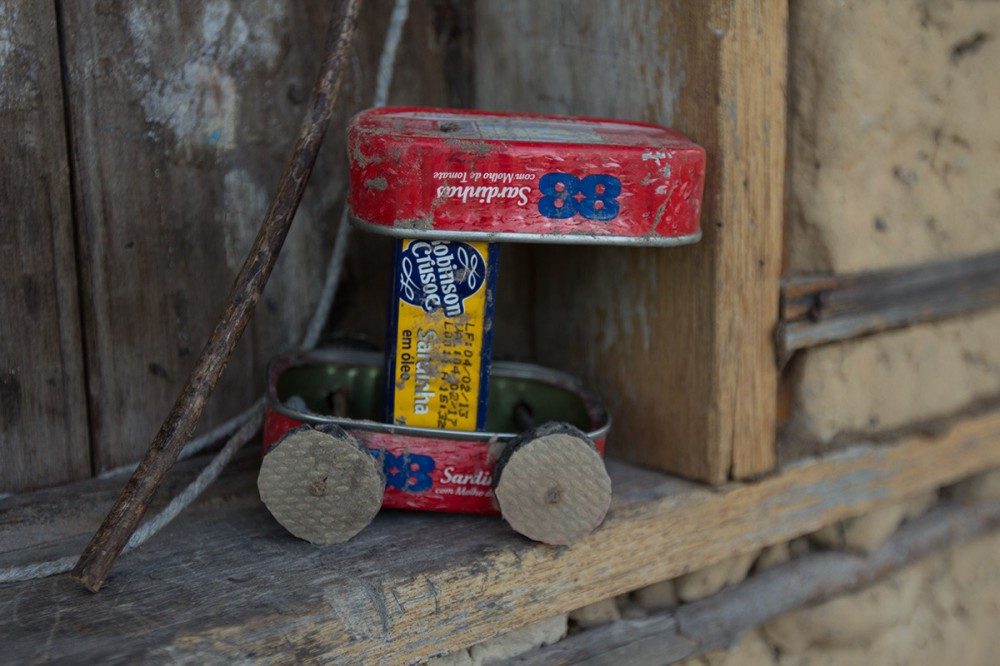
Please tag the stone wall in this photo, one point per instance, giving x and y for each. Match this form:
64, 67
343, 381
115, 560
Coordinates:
891, 380
942, 609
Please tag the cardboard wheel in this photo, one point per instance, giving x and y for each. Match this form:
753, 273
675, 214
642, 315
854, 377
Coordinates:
551, 485
321, 484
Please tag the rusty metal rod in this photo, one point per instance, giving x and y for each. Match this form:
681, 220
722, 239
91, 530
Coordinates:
118, 526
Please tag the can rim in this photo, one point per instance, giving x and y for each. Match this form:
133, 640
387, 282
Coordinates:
466, 113
521, 237
508, 369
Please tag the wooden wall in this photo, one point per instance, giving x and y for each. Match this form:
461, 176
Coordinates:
144, 147
140, 143
43, 416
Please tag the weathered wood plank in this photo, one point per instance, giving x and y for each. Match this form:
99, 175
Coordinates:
178, 427
176, 132
678, 341
182, 118
748, 215
43, 417
819, 296
647, 640
226, 583
37, 526
818, 310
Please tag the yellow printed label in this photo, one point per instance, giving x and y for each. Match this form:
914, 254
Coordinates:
443, 321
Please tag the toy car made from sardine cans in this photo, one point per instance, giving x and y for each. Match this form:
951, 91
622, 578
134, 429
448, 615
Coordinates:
449, 430
330, 463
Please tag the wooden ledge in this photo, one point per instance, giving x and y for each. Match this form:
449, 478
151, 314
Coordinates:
225, 582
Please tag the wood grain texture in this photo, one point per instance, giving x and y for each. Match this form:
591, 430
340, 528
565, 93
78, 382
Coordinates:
177, 137
43, 417
182, 119
679, 341
226, 583
817, 310
246, 292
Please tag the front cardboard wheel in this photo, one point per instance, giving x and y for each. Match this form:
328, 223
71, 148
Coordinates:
552, 486
321, 484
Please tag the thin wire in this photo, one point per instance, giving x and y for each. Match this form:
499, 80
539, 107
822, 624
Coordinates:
196, 487
201, 442
387, 61
383, 79
333, 271
248, 422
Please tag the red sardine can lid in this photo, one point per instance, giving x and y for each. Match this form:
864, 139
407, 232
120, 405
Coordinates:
476, 175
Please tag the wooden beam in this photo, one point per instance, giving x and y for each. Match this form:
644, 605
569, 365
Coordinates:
748, 215
182, 117
818, 310
678, 341
178, 137
42, 391
247, 290
225, 582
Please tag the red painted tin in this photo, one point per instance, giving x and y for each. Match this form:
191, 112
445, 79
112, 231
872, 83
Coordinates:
425, 468
480, 176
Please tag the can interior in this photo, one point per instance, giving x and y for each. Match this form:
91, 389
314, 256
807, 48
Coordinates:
317, 383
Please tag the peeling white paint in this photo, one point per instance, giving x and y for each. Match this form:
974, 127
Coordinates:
199, 100
229, 36
19, 88
8, 18
199, 105
244, 202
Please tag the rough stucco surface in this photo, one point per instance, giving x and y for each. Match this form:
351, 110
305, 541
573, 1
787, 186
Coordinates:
942, 610
894, 151
893, 379
894, 139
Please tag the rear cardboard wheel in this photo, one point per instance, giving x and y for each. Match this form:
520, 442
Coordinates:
551, 484
321, 484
